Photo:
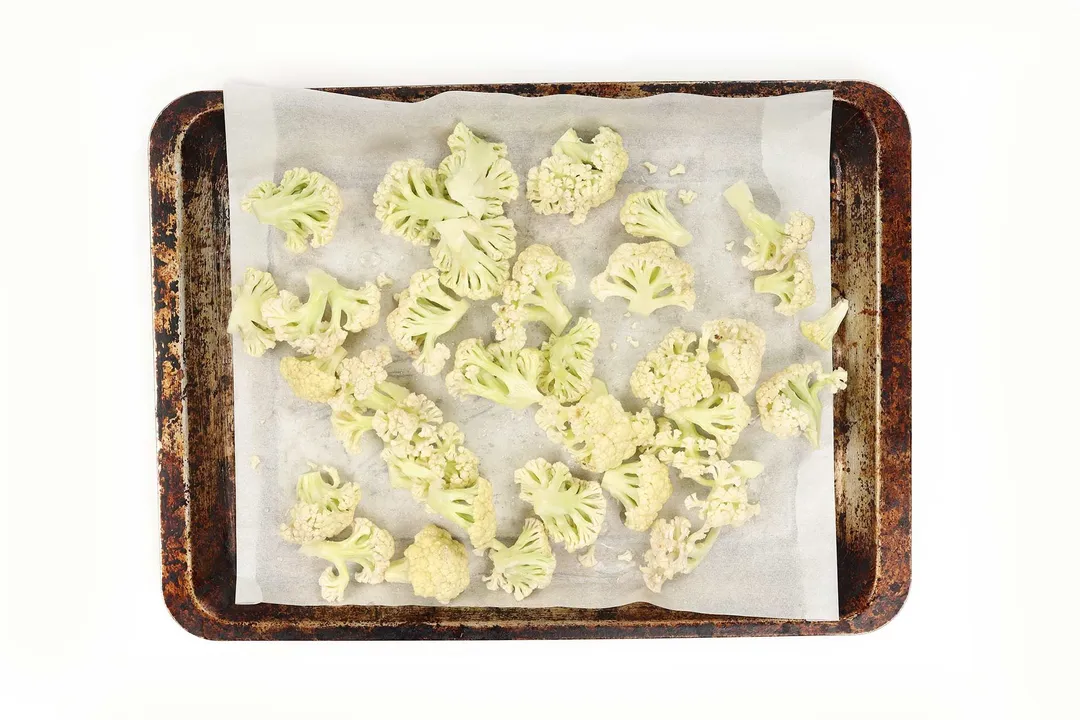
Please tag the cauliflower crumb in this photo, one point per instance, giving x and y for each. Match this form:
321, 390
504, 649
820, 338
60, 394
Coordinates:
255, 462
687, 196
729, 245
626, 314
384, 280
649, 166
588, 558
634, 325
627, 557
632, 341
614, 346
679, 169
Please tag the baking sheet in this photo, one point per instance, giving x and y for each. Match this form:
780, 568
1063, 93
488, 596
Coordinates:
781, 564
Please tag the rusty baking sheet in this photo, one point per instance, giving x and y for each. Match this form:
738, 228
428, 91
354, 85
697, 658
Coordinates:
871, 265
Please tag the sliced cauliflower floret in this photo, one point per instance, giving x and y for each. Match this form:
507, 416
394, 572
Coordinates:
770, 245
411, 200
305, 206
246, 318
793, 284
525, 566
641, 487
368, 547
646, 214
425, 312
736, 348
569, 370
571, 509
821, 331
312, 378
477, 174
789, 403
675, 374
649, 275
578, 176
324, 506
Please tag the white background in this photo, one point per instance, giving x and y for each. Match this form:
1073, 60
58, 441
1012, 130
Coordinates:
989, 629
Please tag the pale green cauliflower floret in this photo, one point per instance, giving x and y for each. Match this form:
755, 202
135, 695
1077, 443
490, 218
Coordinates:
821, 331
411, 200
360, 375
723, 416
793, 284
350, 421
497, 373
571, 509
570, 361
471, 508
648, 275
577, 176
425, 312
477, 174
788, 402
368, 546
305, 206
324, 506
431, 455
305, 326
646, 215
246, 318
770, 245
722, 472
596, 430
408, 420
312, 378
533, 296
724, 505
436, 565
641, 487
674, 549
736, 348
472, 255
673, 375
691, 454
525, 566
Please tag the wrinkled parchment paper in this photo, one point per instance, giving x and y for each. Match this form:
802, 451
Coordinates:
780, 564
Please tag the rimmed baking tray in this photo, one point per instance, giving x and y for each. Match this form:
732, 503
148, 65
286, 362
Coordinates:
871, 265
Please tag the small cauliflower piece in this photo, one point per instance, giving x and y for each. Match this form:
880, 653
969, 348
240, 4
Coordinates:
690, 454
649, 167
411, 200
256, 461
648, 275
578, 176
729, 245
477, 174
674, 549
736, 348
324, 506
246, 318
641, 487
626, 557
384, 281
497, 373
588, 558
569, 370
525, 566
571, 509
646, 215
673, 375
724, 505
596, 430
687, 196
368, 546
311, 378
793, 284
472, 255
360, 375
771, 246
425, 312
305, 326
350, 421
679, 169
789, 404
305, 206
408, 420
471, 508
821, 331
723, 415
431, 455
436, 565
533, 296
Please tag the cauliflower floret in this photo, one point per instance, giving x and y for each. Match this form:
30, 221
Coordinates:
673, 375
368, 546
532, 296
674, 550
793, 284
687, 196
411, 200
570, 361
312, 378
525, 566
770, 245
497, 373
646, 215
724, 505
649, 167
360, 375
723, 416
477, 174
588, 558
736, 348
788, 402
471, 508
306, 205
350, 421
305, 327
425, 312
571, 509
641, 487
690, 454
324, 506
821, 331
246, 318
679, 169
408, 420
648, 275
436, 565
578, 176
431, 455
473, 255
596, 430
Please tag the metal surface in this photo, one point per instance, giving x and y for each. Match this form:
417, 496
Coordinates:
871, 258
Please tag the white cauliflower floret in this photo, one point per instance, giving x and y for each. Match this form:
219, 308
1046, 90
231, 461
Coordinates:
649, 275
305, 206
673, 375
436, 565
578, 176
724, 505
569, 370
525, 566
411, 200
246, 318
789, 404
360, 375
821, 331
532, 296
674, 549
425, 312
646, 214
571, 509
736, 348
793, 284
641, 487
722, 416
324, 506
770, 245
368, 547
312, 378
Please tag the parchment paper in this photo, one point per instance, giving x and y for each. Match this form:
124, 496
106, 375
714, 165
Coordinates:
780, 564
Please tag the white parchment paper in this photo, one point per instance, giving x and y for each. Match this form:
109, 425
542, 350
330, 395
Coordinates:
781, 564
